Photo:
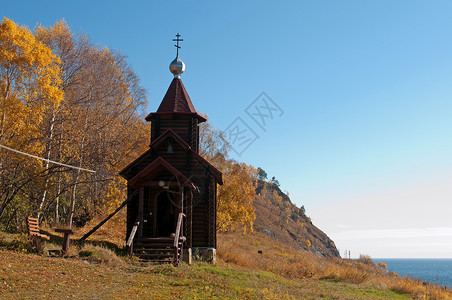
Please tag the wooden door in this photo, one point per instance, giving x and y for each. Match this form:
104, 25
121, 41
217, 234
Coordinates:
165, 214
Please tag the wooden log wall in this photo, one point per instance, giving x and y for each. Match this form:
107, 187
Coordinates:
200, 223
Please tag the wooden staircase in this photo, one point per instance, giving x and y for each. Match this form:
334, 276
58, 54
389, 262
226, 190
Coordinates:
160, 249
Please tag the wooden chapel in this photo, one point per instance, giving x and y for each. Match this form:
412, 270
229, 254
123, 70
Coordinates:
172, 211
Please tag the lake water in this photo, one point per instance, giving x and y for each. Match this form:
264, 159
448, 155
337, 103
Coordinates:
427, 269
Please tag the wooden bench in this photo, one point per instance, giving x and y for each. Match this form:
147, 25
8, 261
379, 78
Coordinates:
37, 239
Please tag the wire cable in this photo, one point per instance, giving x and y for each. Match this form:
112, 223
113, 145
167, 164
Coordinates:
55, 162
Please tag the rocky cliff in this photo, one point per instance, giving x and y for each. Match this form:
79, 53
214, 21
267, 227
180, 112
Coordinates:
280, 219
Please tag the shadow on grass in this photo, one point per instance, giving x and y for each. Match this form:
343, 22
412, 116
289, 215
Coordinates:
58, 239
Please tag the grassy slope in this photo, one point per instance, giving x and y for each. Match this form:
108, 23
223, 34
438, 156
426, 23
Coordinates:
32, 276
284, 260
280, 272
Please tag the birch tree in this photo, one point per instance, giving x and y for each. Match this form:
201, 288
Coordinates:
29, 86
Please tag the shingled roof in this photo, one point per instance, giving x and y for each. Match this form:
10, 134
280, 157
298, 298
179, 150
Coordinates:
176, 100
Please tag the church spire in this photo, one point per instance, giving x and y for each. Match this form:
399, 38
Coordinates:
176, 101
177, 66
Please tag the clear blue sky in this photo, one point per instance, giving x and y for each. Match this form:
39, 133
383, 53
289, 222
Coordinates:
365, 139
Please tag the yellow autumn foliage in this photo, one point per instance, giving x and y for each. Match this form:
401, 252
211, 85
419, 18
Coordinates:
65, 99
29, 85
235, 198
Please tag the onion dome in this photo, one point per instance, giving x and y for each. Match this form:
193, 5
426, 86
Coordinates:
177, 67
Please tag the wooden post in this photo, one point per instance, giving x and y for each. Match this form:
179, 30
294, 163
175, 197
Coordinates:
215, 214
189, 214
182, 207
66, 240
131, 237
140, 211
155, 196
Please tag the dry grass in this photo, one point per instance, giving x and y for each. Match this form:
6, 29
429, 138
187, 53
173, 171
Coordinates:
30, 276
111, 233
237, 249
97, 272
280, 272
101, 255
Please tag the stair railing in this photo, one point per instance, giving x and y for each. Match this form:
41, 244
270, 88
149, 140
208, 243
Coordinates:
132, 236
178, 238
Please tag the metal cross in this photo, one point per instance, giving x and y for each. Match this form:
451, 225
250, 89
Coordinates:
177, 40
